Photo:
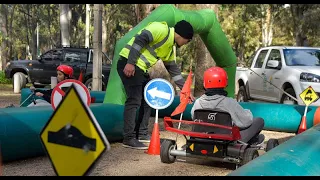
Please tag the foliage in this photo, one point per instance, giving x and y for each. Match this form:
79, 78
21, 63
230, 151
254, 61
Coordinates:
4, 80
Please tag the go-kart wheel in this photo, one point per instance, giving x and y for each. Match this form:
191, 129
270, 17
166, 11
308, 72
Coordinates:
272, 143
249, 155
166, 146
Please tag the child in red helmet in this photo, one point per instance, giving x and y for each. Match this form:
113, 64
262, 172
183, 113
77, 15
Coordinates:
215, 79
63, 72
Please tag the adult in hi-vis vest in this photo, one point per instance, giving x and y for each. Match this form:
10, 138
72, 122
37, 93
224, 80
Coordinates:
156, 41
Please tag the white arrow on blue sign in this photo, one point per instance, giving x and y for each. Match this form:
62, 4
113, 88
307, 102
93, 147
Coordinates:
159, 93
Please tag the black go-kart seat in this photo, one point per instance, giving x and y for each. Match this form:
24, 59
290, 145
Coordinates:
212, 116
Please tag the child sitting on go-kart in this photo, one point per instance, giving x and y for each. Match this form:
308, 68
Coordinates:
63, 72
215, 79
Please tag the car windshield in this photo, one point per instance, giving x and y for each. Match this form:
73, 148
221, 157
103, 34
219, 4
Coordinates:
302, 57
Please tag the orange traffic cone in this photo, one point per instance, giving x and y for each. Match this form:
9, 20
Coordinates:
154, 146
303, 125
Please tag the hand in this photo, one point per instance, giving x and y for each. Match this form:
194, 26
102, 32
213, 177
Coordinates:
32, 88
192, 99
129, 70
39, 94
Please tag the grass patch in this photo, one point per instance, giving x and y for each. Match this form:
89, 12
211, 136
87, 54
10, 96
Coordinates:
4, 80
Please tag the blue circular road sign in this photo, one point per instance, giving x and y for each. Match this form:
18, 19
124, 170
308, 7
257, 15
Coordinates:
159, 93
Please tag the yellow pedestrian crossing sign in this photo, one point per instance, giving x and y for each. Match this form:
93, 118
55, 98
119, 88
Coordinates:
309, 96
72, 137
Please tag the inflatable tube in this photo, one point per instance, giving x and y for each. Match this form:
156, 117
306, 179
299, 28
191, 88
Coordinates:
205, 24
20, 128
298, 156
277, 117
25, 92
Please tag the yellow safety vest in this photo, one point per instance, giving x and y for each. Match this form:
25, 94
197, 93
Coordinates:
161, 47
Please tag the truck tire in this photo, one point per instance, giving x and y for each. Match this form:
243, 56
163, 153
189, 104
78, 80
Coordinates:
285, 99
19, 82
242, 95
88, 84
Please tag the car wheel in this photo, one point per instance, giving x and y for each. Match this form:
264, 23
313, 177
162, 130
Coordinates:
242, 95
285, 99
19, 82
88, 84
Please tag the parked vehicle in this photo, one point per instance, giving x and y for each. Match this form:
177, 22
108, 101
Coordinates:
39, 71
291, 69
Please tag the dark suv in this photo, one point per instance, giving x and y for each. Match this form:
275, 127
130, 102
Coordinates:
39, 72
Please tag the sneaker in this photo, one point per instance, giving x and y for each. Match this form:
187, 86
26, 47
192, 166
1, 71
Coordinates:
144, 138
258, 140
134, 144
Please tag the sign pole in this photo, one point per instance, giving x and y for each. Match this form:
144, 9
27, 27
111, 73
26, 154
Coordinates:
158, 94
156, 117
179, 128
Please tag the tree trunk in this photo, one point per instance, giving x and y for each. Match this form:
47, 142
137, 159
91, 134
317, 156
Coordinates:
137, 11
64, 24
203, 57
4, 44
87, 37
267, 25
300, 34
49, 25
104, 31
97, 46
10, 29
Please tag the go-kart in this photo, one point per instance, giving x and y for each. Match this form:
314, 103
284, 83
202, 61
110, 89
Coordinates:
31, 97
213, 136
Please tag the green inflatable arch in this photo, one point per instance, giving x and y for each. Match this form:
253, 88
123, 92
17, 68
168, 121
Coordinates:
205, 24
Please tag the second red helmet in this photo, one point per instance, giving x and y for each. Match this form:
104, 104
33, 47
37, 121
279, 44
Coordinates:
215, 77
67, 70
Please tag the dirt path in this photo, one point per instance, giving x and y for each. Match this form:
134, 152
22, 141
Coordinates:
120, 161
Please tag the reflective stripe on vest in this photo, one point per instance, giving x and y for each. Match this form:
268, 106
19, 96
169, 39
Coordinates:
150, 49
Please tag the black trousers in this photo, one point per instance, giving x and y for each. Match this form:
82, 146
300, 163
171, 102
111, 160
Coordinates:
253, 130
134, 87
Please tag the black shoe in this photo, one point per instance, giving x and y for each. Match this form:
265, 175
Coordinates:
134, 144
258, 140
144, 138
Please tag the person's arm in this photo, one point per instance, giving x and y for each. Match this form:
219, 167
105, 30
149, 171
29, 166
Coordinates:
175, 73
242, 118
140, 42
46, 94
148, 35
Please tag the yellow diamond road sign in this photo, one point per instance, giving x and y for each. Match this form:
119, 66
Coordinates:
72, 137
309, 96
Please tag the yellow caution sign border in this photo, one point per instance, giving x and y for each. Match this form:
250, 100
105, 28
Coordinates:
303, 95
99, 131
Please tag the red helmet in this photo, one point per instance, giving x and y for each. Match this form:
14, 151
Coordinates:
215, 77
67, 70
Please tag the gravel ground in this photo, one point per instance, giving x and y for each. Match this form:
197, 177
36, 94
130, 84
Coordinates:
120, 161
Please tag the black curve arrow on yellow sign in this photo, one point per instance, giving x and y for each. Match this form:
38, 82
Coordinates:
72, 137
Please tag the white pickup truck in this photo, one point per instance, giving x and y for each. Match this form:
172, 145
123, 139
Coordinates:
291, 69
